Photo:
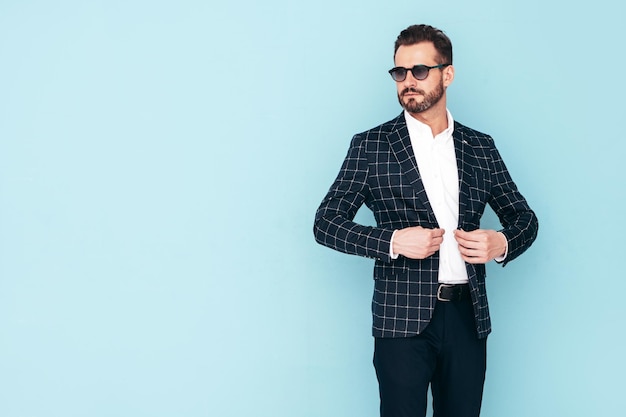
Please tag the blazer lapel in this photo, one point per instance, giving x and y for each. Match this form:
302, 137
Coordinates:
400, 143
465, 166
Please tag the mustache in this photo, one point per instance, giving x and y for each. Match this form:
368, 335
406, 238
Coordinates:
412, 90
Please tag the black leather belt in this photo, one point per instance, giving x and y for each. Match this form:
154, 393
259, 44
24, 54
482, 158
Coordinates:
453, 292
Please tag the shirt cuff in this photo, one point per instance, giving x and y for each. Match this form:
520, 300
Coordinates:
391, 254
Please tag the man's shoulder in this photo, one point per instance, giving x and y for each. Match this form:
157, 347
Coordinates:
468, 133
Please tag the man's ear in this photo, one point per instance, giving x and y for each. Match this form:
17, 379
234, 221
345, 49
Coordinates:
448, 75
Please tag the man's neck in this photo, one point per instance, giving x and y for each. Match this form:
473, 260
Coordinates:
436, 120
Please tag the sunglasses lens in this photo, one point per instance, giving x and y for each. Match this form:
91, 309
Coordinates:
398, 74
420, 72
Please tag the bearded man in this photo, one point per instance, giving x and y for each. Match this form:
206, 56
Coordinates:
427, 180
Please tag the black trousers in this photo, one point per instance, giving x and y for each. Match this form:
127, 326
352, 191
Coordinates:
448, 356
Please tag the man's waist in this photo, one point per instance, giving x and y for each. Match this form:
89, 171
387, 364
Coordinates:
453, 292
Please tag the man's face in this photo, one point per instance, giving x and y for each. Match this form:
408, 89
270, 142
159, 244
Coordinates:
418, 96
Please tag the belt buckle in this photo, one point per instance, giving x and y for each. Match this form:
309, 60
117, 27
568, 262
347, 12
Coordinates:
439, 297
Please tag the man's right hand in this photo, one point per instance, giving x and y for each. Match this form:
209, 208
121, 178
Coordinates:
417, 242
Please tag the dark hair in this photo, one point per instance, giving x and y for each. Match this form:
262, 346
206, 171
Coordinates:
424, 33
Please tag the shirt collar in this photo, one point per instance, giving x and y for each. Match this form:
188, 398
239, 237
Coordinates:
423, 130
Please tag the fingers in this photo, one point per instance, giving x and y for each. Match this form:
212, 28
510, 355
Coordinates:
474, 256
432, 240
477, 237
417, 242
479, 246
471, 246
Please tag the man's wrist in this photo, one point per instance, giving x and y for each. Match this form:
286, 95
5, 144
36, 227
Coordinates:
502, 257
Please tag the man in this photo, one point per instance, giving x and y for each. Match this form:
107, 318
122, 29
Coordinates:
427, 180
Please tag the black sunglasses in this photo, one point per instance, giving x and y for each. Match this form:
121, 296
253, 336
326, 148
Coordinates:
420, 72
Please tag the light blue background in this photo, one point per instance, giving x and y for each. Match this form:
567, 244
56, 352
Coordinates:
161, 163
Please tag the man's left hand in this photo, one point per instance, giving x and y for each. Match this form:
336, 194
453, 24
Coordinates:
480, 246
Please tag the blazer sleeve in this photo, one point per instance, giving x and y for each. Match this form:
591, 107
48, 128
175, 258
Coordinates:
520, 224
334, 226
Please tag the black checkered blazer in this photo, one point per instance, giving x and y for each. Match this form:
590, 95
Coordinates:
381, 172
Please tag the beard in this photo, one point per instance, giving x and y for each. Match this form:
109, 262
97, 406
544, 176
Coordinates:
413, 106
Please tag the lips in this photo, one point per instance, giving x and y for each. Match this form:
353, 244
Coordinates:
412, 92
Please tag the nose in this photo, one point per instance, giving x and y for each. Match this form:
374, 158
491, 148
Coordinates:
410, 80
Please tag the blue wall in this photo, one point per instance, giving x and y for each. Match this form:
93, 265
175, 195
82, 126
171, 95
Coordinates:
161, 163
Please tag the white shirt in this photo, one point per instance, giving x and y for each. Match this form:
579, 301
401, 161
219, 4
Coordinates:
436, 161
